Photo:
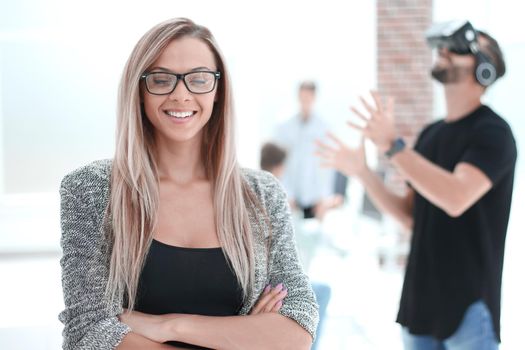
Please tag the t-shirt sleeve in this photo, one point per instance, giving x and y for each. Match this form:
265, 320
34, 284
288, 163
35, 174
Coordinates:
492, 150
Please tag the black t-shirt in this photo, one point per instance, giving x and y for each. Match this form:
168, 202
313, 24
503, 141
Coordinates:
454, 262
188, 281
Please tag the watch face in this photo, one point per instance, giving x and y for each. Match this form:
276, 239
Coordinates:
397, 146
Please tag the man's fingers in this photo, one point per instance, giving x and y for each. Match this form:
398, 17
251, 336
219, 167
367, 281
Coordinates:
336, 139
324, 154
377, 100
367, 106
327, 165
390, 107
324, 147
324, 157
355, 126
359, 114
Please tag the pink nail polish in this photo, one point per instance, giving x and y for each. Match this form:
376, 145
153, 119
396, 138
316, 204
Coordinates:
279, 287
267, 288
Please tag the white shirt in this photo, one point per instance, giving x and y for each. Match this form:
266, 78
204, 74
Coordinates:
304, 180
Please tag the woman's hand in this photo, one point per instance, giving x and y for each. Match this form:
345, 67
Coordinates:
270, 300
154, 327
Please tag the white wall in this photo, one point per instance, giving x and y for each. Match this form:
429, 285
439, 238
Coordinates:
62, 60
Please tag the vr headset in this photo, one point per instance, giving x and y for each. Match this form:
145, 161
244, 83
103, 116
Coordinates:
461, 38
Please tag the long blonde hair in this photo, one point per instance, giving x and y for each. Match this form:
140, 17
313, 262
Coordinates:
134, 198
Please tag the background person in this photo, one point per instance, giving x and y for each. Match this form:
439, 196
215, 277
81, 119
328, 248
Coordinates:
460, 175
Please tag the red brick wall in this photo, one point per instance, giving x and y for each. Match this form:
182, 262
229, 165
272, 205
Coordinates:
403, 66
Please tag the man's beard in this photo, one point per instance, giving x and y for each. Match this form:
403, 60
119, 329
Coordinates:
450, 74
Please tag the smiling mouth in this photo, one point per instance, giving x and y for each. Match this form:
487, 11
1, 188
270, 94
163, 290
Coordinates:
180, 115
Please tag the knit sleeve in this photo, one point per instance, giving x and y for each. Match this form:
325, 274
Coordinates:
300, 304
88, 322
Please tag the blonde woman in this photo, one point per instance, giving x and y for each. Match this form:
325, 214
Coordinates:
171, 243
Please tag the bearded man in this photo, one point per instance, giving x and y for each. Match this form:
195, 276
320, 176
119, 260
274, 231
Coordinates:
460, 178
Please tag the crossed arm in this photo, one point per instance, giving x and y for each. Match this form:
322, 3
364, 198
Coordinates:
263, 328
261, 331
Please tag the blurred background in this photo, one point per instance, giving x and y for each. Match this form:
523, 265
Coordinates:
60, 63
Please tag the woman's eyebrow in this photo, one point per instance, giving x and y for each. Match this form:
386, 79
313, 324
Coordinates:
200, 68
170, 71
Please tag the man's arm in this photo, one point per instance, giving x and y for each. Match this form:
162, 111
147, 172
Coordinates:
399, 207
352, 162
453, 192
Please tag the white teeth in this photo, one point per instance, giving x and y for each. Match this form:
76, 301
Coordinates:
179, 114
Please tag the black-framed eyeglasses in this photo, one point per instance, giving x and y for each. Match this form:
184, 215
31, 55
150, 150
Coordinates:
164, 83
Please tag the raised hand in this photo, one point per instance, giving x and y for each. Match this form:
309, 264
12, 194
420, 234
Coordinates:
379, 121
349, 161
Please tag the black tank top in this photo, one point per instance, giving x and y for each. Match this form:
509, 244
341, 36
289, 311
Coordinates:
187, 281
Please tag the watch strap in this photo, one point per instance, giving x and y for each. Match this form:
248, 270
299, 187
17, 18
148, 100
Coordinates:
397, 146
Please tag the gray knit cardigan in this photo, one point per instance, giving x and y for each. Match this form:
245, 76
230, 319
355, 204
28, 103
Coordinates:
89, 324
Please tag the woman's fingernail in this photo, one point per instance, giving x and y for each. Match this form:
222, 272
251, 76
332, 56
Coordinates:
285, 291
267, 288
279, 287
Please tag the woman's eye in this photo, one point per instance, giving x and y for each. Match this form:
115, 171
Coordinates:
161, 81
198, 81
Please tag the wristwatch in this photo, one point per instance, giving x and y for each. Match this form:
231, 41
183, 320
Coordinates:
397, 146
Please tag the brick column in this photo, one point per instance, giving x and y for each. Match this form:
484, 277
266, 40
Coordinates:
403, 67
